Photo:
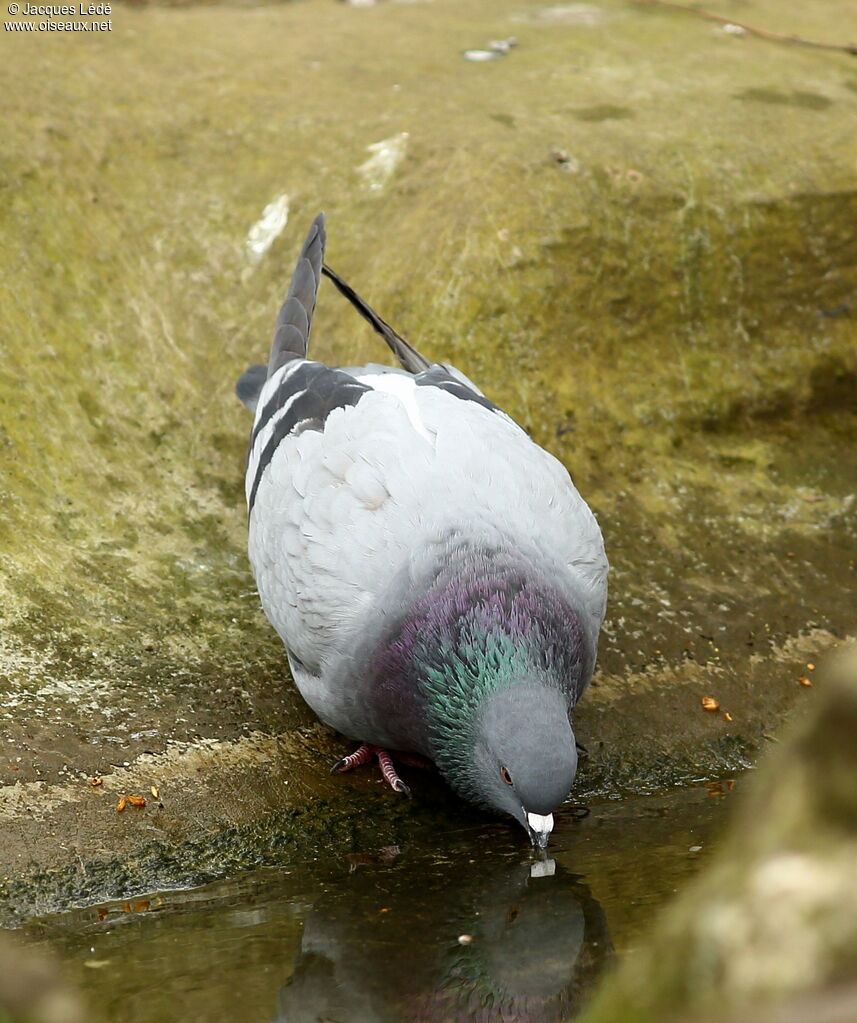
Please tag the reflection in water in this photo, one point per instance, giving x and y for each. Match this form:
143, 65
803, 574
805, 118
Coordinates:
224, 951
385, 946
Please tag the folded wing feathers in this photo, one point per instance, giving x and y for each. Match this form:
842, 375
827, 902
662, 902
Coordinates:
303, 399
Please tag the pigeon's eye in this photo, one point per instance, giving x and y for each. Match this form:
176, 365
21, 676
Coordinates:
504, 774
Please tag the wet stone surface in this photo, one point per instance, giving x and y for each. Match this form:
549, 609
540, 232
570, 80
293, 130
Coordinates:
473, 929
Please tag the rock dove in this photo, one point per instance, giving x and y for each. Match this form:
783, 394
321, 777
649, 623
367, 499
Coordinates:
436, 578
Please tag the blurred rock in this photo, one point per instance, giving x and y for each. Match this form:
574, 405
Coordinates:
769, 930
31, 991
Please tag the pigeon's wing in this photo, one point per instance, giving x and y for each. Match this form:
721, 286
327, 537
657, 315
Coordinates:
298, 397
488, 474
353, 475
323, 529
340, 506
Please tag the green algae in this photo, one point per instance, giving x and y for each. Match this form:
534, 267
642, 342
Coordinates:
283, 837
679, 271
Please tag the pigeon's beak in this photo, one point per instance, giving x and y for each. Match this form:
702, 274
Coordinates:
539, 829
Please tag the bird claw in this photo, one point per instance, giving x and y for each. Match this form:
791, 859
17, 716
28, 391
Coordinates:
365, 753
355, 759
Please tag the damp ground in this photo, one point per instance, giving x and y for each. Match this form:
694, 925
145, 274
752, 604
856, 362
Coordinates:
460, 924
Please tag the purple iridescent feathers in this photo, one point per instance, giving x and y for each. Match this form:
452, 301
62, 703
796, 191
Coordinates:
485, 623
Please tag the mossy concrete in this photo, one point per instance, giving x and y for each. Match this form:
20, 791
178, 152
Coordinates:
635, 231
769, 929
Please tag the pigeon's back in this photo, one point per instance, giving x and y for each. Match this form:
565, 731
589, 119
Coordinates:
340, 510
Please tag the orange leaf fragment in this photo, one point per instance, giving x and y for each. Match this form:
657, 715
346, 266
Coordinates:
804, 681
136, 800
709, 703
727, 715
123, 802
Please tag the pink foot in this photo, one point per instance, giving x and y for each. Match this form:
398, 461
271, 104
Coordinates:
363, 755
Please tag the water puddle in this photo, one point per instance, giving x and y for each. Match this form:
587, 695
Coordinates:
468, 927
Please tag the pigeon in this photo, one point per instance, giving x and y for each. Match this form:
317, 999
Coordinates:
436, 579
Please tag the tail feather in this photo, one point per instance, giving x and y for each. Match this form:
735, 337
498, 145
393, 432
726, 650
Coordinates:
405, 352
291, 333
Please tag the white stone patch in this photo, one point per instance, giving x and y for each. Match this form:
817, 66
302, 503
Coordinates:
502, 45
268, 228
585, 15
496, 48
386, 157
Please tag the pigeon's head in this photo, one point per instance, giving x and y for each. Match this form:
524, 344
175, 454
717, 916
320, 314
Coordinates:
524, 757
500, 658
